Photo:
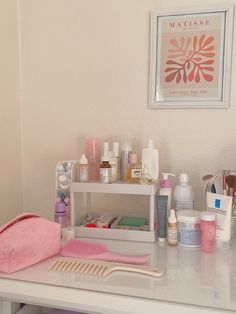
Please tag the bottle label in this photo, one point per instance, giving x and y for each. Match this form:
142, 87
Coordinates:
184, 204
83, 174
136, 173
172, 235
105, 175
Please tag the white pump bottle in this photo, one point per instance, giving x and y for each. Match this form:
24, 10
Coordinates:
165, 188
150, 158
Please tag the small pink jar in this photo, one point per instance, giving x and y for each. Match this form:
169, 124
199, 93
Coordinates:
208, 231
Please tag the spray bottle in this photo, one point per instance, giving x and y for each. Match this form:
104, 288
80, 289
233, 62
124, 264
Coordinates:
165, 188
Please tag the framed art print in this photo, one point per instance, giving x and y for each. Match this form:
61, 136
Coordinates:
190, 58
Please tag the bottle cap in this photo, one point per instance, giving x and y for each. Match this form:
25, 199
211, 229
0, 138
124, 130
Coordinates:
127, 147
92, 146
208, 216
133, 158
105, 148
116, 149
83, 160
183, 178
60, 207
172, 218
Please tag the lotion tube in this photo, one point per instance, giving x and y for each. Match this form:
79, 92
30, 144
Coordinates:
221, 205
161, 203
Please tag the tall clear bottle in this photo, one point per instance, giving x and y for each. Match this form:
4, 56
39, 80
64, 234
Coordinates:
93, 153
124, 160
183, 194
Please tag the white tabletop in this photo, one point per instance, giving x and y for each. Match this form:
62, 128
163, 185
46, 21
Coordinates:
190, 278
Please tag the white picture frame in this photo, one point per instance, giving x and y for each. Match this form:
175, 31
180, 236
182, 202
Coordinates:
190, 58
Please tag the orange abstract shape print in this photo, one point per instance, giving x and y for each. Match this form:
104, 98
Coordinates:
191, 59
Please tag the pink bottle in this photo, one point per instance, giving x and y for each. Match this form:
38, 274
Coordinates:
93, 154
208, 231
60, 214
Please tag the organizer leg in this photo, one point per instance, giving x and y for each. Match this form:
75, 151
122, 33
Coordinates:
72, 212
89, 202
8, 307
151, 212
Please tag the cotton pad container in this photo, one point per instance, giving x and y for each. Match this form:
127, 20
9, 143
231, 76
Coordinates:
189, 233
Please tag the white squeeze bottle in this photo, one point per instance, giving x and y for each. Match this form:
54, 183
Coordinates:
165, 189
150, 158
183, 194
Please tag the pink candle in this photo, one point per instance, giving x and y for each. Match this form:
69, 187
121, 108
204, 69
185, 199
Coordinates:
208, 231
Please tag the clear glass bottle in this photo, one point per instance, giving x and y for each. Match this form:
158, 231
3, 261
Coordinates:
92, 151
145, 176
134, 169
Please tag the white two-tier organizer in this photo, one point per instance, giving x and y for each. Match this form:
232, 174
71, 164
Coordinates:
120, 187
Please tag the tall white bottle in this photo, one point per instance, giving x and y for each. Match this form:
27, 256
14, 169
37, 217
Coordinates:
150, 158
183, 194
165, 189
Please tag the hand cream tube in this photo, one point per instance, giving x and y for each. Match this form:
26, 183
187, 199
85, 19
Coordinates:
161, 203
221, 205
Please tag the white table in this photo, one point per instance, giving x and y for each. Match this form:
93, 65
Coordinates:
193, 283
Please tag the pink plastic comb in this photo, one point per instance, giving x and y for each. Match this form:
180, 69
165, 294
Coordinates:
99, 251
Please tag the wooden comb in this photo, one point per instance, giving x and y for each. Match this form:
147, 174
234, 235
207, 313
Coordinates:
100, 269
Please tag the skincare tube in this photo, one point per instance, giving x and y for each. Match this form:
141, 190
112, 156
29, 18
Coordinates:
221, 205
161, 203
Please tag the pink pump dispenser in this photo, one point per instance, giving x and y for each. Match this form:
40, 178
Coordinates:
165, 188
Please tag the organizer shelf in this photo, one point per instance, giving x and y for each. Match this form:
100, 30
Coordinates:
119, 187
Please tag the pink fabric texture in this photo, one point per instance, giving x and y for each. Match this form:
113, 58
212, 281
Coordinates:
27, 240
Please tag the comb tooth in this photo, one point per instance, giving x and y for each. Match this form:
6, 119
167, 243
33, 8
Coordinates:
101, 269
92, 269
85, 270
68, 265
82, 269
88, 270
60, 265
78, 267
54, 265
71, 264
75, 266
65, 265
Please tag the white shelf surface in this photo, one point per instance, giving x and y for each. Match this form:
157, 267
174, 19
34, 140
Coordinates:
119, 187
193, 282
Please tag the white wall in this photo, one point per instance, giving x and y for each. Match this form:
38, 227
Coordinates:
85, 73
10, 156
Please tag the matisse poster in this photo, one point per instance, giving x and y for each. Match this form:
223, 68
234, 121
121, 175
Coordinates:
190, 57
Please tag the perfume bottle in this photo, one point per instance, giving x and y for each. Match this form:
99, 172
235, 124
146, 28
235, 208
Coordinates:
134, 169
